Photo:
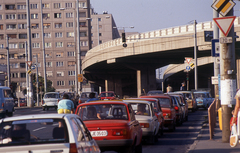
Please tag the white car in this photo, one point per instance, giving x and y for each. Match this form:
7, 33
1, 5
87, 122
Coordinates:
144, 113
45, 133
203, 99
50, 100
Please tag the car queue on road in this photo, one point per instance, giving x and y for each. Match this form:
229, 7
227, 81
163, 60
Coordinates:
120, 125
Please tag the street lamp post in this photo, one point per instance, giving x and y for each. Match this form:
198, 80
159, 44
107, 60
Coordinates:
78, 49
8, 63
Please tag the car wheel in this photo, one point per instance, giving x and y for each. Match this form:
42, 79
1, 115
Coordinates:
186, 118
10, 114
139, 148
161, 130
43, 108
47, 108
172, 127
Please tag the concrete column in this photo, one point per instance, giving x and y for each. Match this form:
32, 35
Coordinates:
148, 79
138, 83
106, 85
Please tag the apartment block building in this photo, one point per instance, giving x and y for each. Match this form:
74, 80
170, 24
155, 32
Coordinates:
59, 33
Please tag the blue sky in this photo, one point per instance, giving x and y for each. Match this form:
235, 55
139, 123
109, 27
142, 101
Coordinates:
149, 15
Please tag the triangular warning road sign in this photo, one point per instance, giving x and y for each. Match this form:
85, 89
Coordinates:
29, 63
188, 60
225, 23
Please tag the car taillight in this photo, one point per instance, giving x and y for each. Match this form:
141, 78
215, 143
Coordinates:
58, 100
119, 132
176, 108
168, 115
73, 148
79, 102
2, 104
42, 101
88, 149
144, 125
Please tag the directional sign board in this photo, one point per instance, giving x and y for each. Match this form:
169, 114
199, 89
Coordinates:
223, 6
225, 24
215, 48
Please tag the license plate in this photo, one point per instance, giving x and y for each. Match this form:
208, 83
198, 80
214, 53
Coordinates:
99, 133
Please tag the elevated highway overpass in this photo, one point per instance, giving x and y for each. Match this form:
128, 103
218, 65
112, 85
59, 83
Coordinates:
130, 70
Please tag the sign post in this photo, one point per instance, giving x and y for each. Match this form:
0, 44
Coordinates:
227, 62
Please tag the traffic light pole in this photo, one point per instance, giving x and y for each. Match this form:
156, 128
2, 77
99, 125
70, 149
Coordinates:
8, 64
37, 81
228, 81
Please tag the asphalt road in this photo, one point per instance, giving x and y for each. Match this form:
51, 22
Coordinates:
178, 141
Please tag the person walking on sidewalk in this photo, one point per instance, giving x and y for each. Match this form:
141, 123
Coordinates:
169, 88
236, 109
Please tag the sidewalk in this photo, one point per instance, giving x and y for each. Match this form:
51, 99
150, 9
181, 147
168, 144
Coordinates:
203, 144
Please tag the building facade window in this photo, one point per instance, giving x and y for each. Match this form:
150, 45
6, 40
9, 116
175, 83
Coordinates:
1, 36
59, 54
13, 56
48, 45
22, 65
45, 5
70, 34
10, 16
34, 16
33, 6
13, 46
60, 74
47, 25
21, 45
71, 54
59, 64
35, 45
58, 25
82, 4
46, 15
68, 5
0, 6
83, 34
10, 7
70, 44
83, 43
11, 26
71, 63
69, 15
71, 82
14, 75
22, 36
23, 75
59, 44
35, 35
69, 24
14, 65
22, 16
0, 16
21, 7
1, 47
58, 35
22, 26
47, 35
82, 24
60, 83
1, 26
57, 5
49, 73
35, 25
48, 64
48, 55
12, 36
82, 14
57, 15
71, 73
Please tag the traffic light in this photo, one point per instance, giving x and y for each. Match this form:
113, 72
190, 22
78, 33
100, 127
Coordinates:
123, 37
34, 77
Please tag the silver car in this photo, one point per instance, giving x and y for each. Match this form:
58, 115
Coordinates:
203, 99
144, 113
46, 133
85, 96
50, 100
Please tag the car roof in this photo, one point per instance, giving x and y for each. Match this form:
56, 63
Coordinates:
148, 99
156, 96
4, 87
104, 102
200, 92
35, 116
137, 101
51, 92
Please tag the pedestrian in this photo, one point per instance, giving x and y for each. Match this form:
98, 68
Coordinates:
65, 106
92, 97
182, 88
169, 88
236, 109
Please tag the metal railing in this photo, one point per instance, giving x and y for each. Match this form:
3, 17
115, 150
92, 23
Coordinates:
212, 115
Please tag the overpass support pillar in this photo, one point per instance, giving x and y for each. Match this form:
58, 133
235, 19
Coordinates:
114, 84
148, 79
139, 83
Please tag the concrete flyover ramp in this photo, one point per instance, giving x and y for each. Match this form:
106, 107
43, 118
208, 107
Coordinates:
124, 68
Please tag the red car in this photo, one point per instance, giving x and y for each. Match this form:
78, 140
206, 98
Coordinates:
108, 95
169, 112
112, 124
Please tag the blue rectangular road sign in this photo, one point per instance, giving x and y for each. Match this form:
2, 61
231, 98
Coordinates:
215, 48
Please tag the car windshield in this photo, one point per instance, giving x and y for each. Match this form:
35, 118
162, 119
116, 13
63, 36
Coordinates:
103, 112
34, 131
52, 95
199, 95
7, 93
107, 95
154, 92
164, 102
141, 109
188, 95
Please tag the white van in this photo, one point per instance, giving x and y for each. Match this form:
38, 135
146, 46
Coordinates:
6, 102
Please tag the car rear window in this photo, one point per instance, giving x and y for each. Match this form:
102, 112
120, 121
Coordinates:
107, 95
103, 112
199, 95
165, 102
35, 131
141, 109
7, 93
51, 96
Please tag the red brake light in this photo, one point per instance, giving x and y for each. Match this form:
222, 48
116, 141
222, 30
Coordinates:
144, 125
73, 148
2, 104
121, 132
176, 108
